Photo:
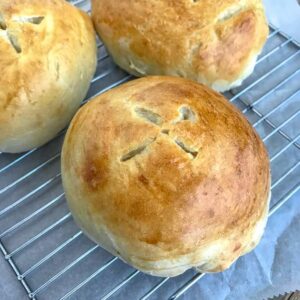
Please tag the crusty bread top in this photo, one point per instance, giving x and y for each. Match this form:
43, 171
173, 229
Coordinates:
35, 31
48, 56
168, 166
211, 41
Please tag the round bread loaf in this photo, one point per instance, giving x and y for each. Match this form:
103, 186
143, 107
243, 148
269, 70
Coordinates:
48, 58
167, 175
210, 41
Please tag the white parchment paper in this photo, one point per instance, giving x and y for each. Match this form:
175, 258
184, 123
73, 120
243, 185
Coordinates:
285, 14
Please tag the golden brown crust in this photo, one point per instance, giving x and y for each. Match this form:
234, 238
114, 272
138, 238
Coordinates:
209, 41
168, 175
48, 57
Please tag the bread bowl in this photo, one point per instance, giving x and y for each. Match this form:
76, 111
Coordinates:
167, 175
48, 58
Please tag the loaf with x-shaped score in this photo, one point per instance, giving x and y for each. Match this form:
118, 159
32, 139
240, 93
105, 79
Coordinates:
168, 175
215, 42
48, 58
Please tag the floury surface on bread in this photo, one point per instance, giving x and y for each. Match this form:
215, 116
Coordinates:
48, 58
167, 174
215, 42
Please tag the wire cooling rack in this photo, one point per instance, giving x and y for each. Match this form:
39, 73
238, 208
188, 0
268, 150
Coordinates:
52, 258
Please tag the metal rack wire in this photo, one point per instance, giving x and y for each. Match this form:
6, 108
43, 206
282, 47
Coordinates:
51, 257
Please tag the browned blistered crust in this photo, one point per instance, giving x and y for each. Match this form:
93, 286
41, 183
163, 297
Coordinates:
168, 175
210, 41
48, 57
